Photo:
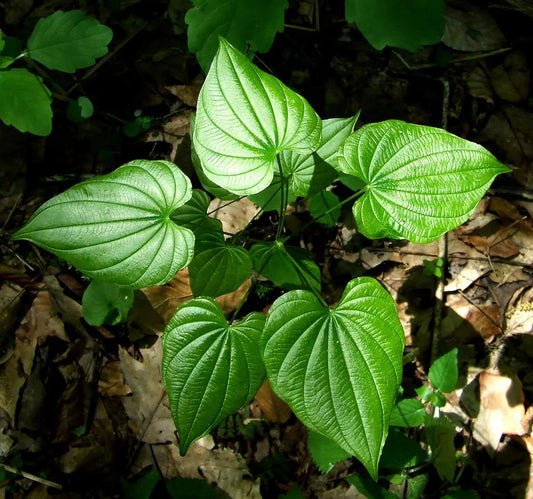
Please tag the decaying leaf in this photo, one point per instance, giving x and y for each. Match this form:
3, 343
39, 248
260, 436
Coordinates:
519, 313
234, 216
272, 407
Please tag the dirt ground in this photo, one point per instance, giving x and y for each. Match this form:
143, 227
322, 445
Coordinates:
83, 412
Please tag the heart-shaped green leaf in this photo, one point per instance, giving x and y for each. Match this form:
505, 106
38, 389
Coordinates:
244, 118
288, 267
25, 102
210, 369
217, 268
118, 227
311, 172
67, 41
250, 26
338, 369
420, 181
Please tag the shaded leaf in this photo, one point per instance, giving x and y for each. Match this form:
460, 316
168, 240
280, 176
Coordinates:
210, 368
26, 102
80, 109
401, 452
106, 303
408, 413
406, 25
250, 27
369, 489
338, 369
68, 41
118, 227
245, 117
288, 267
325, 208
440, 434
326, 453
420, 181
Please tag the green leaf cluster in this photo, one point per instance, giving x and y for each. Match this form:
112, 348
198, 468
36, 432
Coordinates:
63, 41
339, 368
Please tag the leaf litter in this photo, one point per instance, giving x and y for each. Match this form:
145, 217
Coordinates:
79, 402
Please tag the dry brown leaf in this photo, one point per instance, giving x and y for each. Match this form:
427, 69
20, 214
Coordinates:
147, 407
494, 239
272, 407
111, 381
519, 313
188, 94
235, 216
510, 80
471, 29
478, 84
230, 301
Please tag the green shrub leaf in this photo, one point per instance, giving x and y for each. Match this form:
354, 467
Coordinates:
311, 172
80, 109
68, 41
249, 26
245, 117
118, 227
210, 369
217, 268
326, 453
288, 267
193, 214
444, 373
401, 452
323, 202
338, 369
106, 303
25, 102
408, 413
420, 181
407, 24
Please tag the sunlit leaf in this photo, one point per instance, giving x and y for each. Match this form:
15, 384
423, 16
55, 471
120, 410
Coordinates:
338, 369
210, 368
118, 227
244, 118
444, 373
420, 181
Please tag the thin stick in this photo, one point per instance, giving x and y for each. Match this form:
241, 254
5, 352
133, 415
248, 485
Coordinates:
32, 477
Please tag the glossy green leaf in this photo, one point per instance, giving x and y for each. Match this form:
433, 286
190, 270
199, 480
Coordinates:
325, 208
25, 102
118, 227
288, 267
326, 453
444, 373
217, 268
406, 24
210, 369
311, 172
106, 303
68, 41
244, 118
408, 413
420, 181
80, 109
338, 369
249, 26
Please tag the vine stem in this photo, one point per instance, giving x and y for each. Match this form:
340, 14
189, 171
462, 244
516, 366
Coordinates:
284, 197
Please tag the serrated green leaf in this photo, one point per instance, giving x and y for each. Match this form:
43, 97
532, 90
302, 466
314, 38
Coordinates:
420, 181
338, 369
250, 27
80, 109
106, 303
244, 118
217, 268
312, 172
408, 413
210, 369
440, 434
405, 24
288, 267
118, 227
325, 208
25, 102
444, 373
68, 41
401, 452
326, 453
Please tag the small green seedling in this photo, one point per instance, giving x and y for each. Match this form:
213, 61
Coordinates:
63, 41
339, 368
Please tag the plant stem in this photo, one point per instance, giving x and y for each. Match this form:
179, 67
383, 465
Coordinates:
284, 196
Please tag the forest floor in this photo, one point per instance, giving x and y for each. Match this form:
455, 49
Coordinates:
83, 412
